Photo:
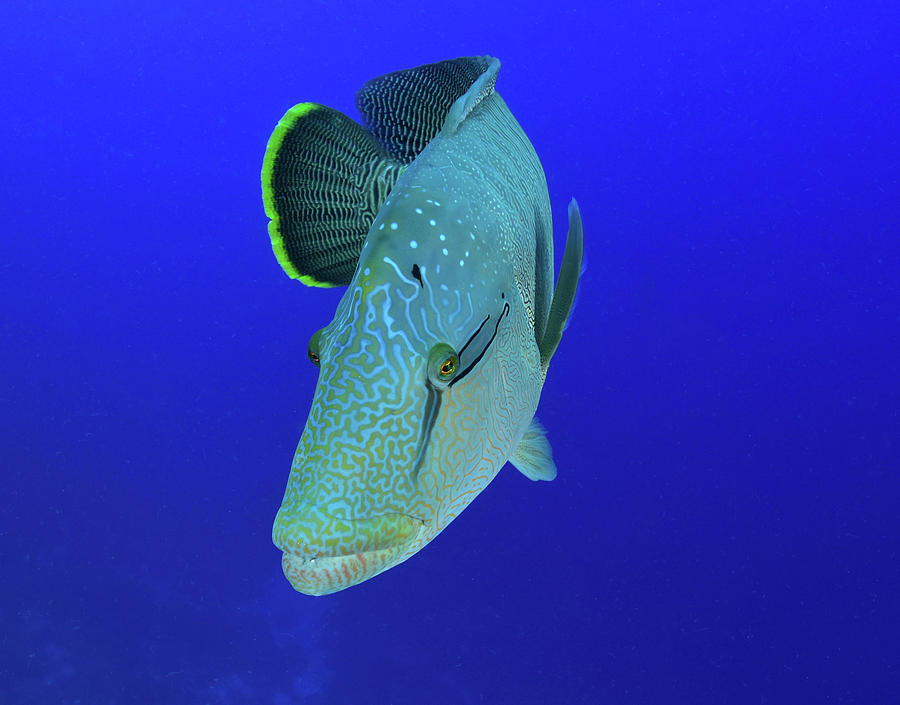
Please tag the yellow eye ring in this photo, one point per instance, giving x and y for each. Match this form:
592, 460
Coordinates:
448, 367
443, 365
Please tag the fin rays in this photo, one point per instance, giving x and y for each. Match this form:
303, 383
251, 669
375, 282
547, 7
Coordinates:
566, 286
325, 177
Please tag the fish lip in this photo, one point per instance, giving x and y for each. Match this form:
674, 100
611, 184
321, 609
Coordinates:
325, 574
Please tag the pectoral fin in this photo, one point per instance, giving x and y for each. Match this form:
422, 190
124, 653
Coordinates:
533, 457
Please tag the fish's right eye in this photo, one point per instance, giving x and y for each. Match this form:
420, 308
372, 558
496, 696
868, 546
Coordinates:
312, 351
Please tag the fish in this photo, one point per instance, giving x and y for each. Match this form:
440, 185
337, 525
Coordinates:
433, 212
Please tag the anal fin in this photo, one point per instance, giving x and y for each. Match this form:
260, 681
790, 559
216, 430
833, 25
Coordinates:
533, 457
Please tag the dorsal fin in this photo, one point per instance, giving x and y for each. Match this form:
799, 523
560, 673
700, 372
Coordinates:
324, 179
478, 91
406, 109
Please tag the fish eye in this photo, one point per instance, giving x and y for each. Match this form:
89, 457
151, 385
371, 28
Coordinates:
443, 363
448, 367
312, 350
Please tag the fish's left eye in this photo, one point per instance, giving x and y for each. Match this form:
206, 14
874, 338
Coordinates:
443, 364
448, 367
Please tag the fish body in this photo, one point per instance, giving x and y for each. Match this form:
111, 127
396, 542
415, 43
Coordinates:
432, 367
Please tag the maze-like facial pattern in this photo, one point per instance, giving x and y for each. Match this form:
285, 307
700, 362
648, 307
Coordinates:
370, 483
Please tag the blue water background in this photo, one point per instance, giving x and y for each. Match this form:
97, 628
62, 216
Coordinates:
724, 408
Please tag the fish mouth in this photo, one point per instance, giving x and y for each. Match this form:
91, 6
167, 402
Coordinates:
319, 560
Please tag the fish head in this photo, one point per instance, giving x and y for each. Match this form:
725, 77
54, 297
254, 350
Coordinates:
411, 415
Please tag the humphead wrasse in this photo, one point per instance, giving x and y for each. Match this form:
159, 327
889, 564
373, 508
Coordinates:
435, 215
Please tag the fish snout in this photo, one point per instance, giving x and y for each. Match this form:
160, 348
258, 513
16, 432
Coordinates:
324, 554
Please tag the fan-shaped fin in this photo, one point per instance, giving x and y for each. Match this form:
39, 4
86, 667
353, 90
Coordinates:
324, 179
533, 457
406, 109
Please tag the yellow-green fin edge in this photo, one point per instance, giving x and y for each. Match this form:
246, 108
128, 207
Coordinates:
272, 147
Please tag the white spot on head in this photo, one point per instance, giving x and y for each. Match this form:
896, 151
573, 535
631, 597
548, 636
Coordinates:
394, 226
472, 235
367, 271
443, 237
437, 203
444, 287
432, 222
461, 263
381, 227
444, 250
459, 220
419, 211
413, 244
467, 253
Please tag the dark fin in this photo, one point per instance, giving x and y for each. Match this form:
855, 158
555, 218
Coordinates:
478, 91
533, 457
406, 109
324, 179
566, 286
543, 275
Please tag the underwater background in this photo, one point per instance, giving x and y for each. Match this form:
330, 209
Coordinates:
724, 407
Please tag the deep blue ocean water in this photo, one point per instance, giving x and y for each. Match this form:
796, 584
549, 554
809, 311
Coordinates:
724, 407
